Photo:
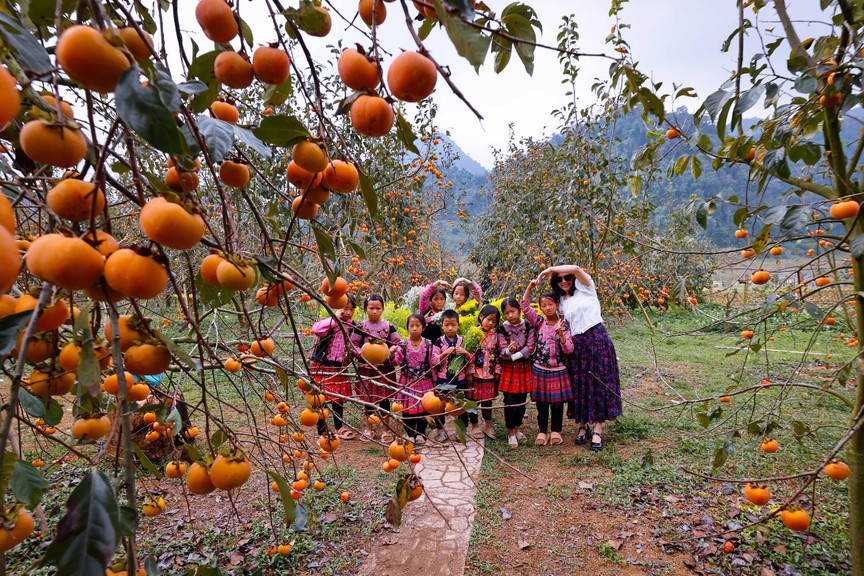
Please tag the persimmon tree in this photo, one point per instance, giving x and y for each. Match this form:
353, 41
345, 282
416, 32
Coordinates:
152, 179
809, 90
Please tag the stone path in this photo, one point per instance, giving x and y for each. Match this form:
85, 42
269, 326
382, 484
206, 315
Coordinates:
430, 542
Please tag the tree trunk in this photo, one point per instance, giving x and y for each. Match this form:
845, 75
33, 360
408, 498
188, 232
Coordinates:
855, 448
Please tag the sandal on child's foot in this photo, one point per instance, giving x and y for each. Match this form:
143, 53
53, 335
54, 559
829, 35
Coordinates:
367, 435
512, 442
582, 436
541, 439
597, 446
520, 437
387, 437
489, 431
555, 439
420, 440
441, 436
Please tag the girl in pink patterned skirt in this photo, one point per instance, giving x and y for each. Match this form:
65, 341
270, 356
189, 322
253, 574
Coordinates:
414, 355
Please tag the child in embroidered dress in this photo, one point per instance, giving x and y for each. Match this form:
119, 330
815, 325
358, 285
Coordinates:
551, 388
483, 373
516, 342
375, 384
414, 355
447, 346
329, 359
432, 300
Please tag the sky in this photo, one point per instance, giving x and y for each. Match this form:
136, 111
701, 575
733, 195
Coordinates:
673, 40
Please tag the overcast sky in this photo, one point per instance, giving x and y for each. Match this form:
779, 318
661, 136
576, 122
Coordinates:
674, 40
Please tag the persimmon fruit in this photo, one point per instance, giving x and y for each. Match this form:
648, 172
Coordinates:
135, 275
21, 529
796, 519
309, 156
302, 178
52, 144
146, 359
837, 469
171, 224
271, 65
229, 472
358, 72
844, 210
90, 59
371, 116
198, 479
10, 261
759, 495
304, 209
341, 177
216, 20
233, 70
411, 77
181, 180
225, 111
372, 11
140, 48
208, 269
10, 97
234, 174
375, 353
236, 276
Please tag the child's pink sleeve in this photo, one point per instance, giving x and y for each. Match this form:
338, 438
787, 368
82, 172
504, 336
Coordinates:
439, 365
530, 344
567, 343
476, 292
398, 355
503, 346
323, 326
425, 296
531, 315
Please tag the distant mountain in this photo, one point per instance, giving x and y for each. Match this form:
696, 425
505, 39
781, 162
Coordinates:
464, 161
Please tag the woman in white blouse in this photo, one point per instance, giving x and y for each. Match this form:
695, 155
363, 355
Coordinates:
593, 365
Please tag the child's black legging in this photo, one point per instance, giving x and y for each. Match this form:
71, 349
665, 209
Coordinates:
514, 409
485, 409
383, 405
338, 411
415, 424
543, 409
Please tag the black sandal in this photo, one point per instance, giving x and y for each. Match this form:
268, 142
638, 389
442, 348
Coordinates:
596, 446
582, 436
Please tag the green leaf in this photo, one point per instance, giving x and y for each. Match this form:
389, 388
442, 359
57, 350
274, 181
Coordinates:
276, 95
403, 492
720, 458
218, 136
775, 161
325, 247
426, 28
806, 83
301, 516
393, 513
166, 88
89, 532
202, 68
807, 152
288, 504
10, 328
33, 405
814, 311
27, 50
178, 351
518, 26
369, 195
762, 238
715, 102
247, 137
175, 417
282, 375
681, 165
192, 87
246, 31
54, 412
89, 373
281, 130
461, 430
307, 18
212, 296
28, 485
218, 438
696, 167
746, 100
469, 42
405, 134
800, 428
128, 521
796, 219
145, 461
143, 110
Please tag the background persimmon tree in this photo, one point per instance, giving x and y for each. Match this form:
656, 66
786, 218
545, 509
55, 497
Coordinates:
809, 89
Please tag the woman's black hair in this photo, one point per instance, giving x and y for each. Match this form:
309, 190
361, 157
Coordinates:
466, 287
488, 310
510, 303
556, 288
373, 298
552, 295
416, 316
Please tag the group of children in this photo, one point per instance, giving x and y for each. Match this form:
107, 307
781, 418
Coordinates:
525, 354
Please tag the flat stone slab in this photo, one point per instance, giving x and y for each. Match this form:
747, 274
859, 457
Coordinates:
436, 528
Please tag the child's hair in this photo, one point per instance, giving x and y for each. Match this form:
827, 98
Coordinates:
437, 292
489, 310
419, 317
510, 303
449, 315
465, 286
373, 298
554, 296
351, 301
556, 287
